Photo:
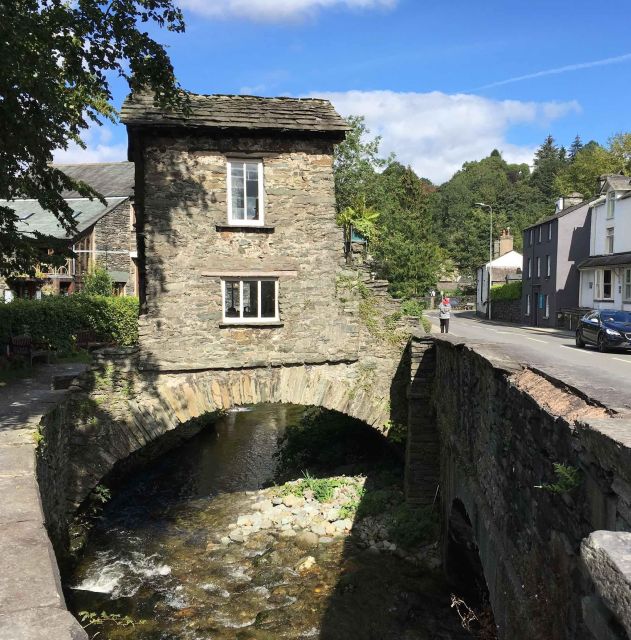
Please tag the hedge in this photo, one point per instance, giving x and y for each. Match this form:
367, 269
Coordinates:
56, 320
508, 291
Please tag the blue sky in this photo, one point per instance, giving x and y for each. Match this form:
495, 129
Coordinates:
419, 71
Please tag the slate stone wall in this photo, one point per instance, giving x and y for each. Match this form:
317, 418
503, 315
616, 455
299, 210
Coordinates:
506, 310
112, 243
184, 199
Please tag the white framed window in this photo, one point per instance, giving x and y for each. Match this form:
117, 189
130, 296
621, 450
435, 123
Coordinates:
245, 192
528, 305
627, 284
540, 232
550, 231
547, 306
532, 237
249, 300
548, 266
611, 204
609, 240
538, 267
529, 268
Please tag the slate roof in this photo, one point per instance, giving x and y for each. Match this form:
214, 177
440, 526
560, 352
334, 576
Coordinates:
609, 260
110, 179
33, 218
617, 182
562, 213
239, 112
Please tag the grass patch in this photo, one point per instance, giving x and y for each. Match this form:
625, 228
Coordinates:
413, 526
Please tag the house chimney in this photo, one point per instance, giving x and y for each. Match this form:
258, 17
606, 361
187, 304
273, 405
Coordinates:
506, 242
569, 200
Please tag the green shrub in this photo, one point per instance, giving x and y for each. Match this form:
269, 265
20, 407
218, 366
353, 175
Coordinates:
97, 282
410, 527
412, 308
56, 321
508, 291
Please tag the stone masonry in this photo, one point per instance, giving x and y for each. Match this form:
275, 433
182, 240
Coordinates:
189, 246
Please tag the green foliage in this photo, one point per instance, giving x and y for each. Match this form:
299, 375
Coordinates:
57, 320
38, 437
91, 618
322, 440
568, 478
588, 162
427, 324
97, 282
58, 59
412, 526
358, 217
508, 291
412, 308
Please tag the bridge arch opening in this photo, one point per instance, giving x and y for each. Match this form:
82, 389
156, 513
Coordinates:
465, 573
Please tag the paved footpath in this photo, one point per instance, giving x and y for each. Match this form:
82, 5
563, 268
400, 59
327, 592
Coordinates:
32, 605
606, 377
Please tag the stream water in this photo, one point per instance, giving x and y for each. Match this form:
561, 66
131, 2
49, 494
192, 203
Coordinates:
159, 555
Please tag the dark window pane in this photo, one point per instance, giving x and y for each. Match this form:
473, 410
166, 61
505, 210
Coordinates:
238, 204
252, 191
250, 299
232, 299
268, 299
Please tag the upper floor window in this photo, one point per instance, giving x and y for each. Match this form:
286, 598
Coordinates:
538, 267
245, 192
529, 268
611, 204
540, 232
550, 231
250, 301
548, 266
532, 236
609, 240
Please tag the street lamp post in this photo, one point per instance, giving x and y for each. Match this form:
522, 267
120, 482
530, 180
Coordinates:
490, 208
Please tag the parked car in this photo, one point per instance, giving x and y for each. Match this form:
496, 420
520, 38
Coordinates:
606, 329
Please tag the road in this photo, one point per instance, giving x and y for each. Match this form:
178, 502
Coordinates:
603, 376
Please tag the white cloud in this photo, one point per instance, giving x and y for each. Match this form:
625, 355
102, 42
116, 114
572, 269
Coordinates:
276, 10
436, 132
99, 148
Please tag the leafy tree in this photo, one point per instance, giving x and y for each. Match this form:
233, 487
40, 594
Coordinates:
620, 148
576, 146
97, 282
406, 251
581, 175
356, 165
57, 58
359, 217
549, 162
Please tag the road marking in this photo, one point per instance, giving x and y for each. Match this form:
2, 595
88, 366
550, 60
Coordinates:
621, 360
577, 349
536, 340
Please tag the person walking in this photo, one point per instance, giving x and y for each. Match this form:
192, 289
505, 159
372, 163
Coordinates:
444, 313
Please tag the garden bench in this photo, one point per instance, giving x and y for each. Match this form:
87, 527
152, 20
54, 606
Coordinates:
88, 339
24, 346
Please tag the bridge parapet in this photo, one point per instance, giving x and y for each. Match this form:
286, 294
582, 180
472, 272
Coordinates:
507, 435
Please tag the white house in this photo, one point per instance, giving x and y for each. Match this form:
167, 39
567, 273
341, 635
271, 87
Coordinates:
606, 274
507, 266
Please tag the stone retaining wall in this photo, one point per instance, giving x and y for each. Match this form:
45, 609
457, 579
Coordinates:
501, 429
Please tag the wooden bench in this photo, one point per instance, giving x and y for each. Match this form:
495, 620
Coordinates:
88, 339
25, 347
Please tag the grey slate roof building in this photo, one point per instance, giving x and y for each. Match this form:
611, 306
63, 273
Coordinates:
103, 234
250, 113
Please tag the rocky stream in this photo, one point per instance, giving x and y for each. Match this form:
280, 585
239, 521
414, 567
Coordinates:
249, 533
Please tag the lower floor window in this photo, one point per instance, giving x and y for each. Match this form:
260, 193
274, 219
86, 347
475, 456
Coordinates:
547, 304
627, 284
528, 305
246, 300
